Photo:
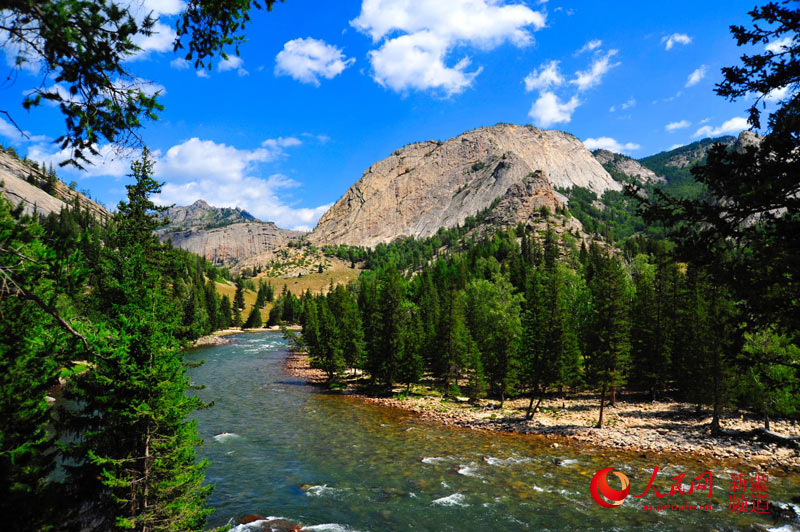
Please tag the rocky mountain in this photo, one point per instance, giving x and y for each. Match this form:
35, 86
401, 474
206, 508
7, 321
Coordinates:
616, 163
200, 215
427, 185
225, 236
22, 182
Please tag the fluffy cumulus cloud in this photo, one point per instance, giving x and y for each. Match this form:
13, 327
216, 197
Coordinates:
610, 144
308, 59
591, 77
729, 127
674, 126
416, 39
696, 76
544, 77
226, 176
548, 109
670, 41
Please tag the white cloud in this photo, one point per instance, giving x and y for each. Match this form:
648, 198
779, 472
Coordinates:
417, 38
589, 46
112, 160
610, 144
674, 126
202, 73
282, 142
675, 146
543, 77
779, 94
548, 109
696, 76
9, 131
180, 64
226, 176
631, 102
264, 198
233, 62
161, 40
676, 38
586, 79
729, 127
779, 46
223, 175
308, 59
164, 7
417, 61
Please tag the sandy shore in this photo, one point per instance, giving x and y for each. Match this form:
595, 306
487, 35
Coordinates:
661, 427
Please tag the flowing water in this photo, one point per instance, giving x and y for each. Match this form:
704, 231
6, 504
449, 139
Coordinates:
279, 447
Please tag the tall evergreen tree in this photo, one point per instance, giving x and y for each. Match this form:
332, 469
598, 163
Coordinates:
133, 451
609, 345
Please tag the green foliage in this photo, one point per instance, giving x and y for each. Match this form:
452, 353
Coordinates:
253, 319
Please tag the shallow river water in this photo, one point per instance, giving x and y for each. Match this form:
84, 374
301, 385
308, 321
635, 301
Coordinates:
331, 462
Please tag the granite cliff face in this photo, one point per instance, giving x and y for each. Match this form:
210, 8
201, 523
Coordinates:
224, 236
18, 184
428, 185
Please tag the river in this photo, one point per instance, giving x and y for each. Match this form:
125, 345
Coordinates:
332, 462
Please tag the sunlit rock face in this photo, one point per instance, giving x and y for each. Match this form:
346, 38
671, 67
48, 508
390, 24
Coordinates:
427, 185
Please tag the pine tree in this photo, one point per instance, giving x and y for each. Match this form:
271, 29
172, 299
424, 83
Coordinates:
238, 297
225, 318
455, 342
330, 358
134, 450
253, 319
609, 346
410, 364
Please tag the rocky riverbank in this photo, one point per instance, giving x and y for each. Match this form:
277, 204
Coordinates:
659, 426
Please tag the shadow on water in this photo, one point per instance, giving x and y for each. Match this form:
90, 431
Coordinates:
281, 448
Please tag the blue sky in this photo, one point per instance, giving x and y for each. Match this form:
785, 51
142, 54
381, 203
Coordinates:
323, 89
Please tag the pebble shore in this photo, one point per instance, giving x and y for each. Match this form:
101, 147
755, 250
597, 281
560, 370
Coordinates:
658, 427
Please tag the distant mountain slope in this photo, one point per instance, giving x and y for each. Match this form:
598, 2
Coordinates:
676, 163
617, 164
223, 235
23, 182
428, 185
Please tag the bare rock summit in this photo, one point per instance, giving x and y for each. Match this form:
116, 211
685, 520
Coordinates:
427, 185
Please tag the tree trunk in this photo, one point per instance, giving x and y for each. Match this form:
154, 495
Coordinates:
612, 400
766, 421
502, 399
532, 411
602, 403
146, 476
529, 413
